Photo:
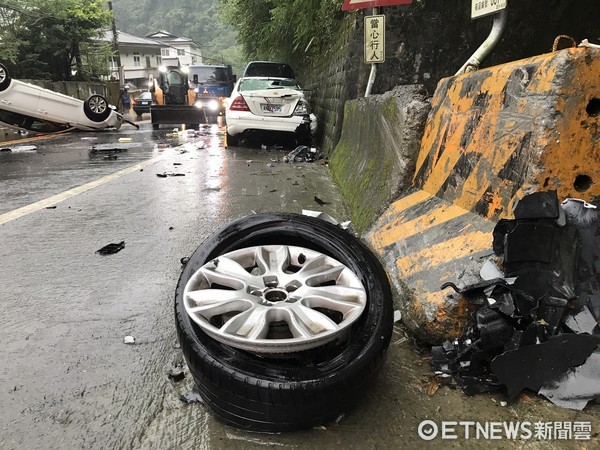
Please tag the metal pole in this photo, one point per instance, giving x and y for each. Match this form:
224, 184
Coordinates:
373, 66
115, 45
488, 45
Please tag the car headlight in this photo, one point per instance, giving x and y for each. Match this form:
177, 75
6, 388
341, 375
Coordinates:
213, 105
198, 104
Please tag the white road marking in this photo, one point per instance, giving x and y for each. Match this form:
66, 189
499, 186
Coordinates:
50, 201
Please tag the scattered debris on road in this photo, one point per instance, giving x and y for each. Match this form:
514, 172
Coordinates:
303, 153
111, 249
321, 202
176, 373
326, 217
165, 175
536, 322
191, 397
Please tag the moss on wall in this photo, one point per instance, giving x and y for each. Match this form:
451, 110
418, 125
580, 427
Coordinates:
375, 155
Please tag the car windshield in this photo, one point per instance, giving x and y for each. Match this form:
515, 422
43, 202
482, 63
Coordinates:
255, 84
145, 96
268, 69
208, 74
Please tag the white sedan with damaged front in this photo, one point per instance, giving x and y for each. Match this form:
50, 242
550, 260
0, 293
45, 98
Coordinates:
268, 105
27, 106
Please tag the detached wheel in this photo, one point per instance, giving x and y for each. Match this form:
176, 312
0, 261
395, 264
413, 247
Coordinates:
4, 78
283, 320
232, 141
96, 108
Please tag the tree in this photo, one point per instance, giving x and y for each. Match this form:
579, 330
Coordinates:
49, 36
291, 31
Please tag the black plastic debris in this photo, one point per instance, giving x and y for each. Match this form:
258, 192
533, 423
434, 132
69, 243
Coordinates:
111, 249
536, 325
302, 153
107, 148
165, 175
321, 202
533, 366
539, 205
303, 131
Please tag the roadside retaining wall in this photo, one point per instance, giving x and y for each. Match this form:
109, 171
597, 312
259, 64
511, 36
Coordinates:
429, 40
374, 159
491, 137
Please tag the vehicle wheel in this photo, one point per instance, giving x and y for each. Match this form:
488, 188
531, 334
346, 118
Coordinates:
232, 141
280, 276
4, 77
155, 126
96, 108
139, 116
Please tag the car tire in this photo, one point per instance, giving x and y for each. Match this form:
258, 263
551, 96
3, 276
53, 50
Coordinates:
96, 108
4, 77
232, 141
298, 390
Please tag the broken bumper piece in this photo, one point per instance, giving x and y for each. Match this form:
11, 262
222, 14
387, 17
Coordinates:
536, 325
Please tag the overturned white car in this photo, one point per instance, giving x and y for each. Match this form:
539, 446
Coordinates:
31, 107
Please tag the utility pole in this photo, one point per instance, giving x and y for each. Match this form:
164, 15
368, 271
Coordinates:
115, 46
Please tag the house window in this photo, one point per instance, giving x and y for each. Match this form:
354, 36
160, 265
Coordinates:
148, 63
180, 52
158, 61
164, 52
113, 62
136, 59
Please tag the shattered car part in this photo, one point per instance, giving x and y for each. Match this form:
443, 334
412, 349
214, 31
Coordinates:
539, 205
533, 366
326, 217
582, 322
302, 153
577, 387
111, 249
541, 331
312, 386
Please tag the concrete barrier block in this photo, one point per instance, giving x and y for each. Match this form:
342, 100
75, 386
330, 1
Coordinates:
375, 158
500, 133
492, 136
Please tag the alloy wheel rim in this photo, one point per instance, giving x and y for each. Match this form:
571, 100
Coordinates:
274, 299
97, 105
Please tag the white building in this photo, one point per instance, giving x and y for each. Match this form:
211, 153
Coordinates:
139, 57
177, 50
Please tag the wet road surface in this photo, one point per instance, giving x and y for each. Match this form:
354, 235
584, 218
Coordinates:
68, 380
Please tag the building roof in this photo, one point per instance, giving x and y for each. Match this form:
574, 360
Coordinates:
129, 39
165, 36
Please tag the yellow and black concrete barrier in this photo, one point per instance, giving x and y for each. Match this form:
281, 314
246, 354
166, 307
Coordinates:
491, 137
